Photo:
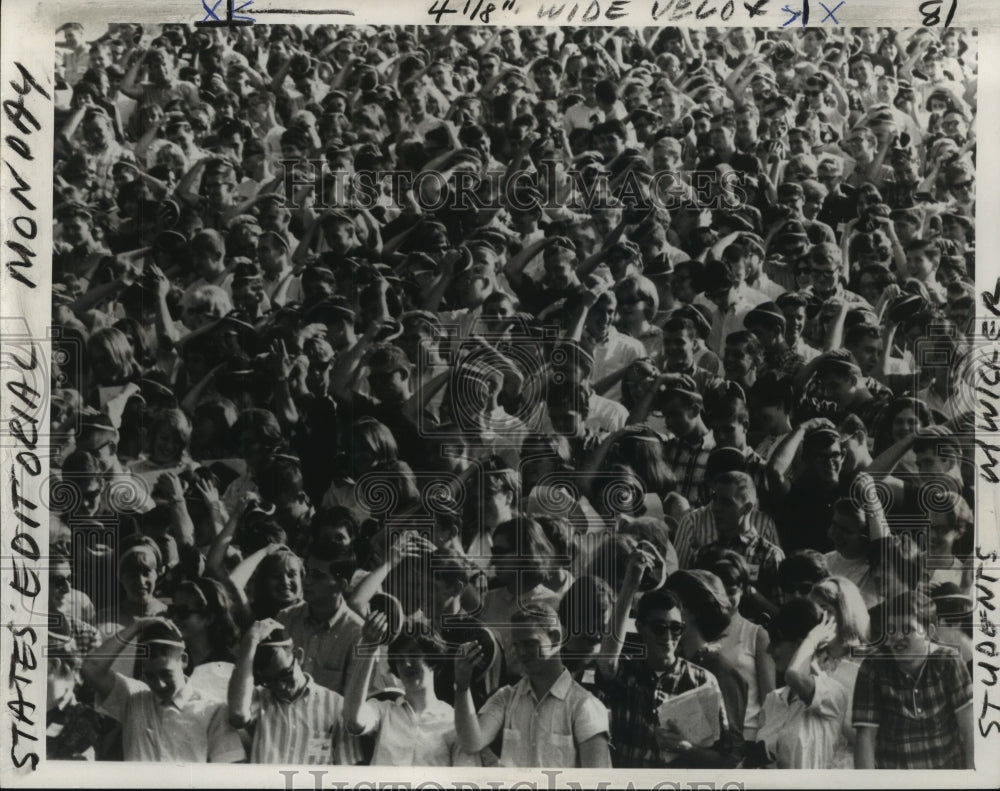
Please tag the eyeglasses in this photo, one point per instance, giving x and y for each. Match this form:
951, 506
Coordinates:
801, 588
281, 678
660, 628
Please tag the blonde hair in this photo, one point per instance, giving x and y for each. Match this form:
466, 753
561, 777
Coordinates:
843, 596
210, 302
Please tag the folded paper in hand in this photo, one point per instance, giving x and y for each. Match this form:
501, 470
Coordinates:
696, 713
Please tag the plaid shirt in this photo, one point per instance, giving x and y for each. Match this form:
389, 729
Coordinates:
697, 529
688, 463
633, 697
762, 557
916, 717
84, 635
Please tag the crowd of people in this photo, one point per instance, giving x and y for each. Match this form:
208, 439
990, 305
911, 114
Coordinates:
536, 397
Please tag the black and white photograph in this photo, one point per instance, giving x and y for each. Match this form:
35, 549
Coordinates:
577, 397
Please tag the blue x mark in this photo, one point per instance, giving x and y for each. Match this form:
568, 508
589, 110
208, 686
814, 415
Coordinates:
210, 14
829, 13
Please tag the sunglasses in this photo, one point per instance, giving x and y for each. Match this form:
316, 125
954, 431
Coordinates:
660, 628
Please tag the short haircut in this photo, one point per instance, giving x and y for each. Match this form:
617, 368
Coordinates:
916, 604
539, 615
656, 600
208, 241
748, 340
804, 565
745, 487
616, 128
681, 325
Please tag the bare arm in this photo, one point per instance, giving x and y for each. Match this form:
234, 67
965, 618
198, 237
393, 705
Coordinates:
359, 716
864, 747
611, 646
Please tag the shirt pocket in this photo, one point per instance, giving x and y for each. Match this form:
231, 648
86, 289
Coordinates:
558, 750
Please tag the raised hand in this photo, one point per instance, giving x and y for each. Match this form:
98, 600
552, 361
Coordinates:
375, 629
468, 659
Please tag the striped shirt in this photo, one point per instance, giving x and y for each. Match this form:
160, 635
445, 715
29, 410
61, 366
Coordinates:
697, 529
187, 729
306, 730
328, 645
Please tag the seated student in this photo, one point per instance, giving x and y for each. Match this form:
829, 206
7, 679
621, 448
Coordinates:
295, 719
163, 717
546, 718
801, 722
416, 729
913, 698
634, 687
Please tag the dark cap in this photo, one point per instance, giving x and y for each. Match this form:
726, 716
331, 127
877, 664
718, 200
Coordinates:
767, 314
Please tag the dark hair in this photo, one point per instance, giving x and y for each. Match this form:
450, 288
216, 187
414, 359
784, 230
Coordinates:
223, 634
806, 565
279, 477
639, 447
652, 601
726, 564
773, 389
794, 621
705, 600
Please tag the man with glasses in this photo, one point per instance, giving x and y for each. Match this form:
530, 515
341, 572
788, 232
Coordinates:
68, 607
962, 188
827, 270
295, 719
635, 686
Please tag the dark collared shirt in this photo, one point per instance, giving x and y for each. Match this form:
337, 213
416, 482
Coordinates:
633, 697
915, 715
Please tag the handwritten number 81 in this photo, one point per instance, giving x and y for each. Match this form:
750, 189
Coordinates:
931, 9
